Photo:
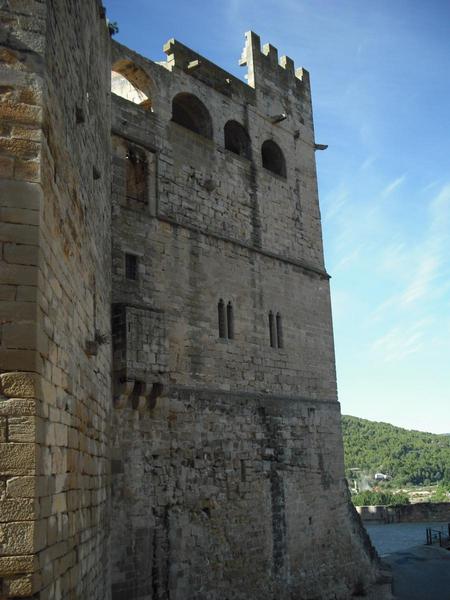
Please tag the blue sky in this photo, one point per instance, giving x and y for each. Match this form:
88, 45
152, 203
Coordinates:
380, 73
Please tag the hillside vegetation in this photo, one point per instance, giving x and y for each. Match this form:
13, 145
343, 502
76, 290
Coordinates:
409, 457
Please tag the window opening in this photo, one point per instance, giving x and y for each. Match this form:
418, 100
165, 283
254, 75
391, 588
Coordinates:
136, 175
222, 319
237, 139
230, 321
131, 266
131, 83
271, 330
190, 112
272, 158
279, 331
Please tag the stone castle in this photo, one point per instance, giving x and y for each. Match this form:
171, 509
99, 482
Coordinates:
169, 424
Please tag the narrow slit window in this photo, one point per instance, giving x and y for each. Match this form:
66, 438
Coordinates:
222, 319
230, 321
279, 331
131, 267
272, 329
136, 175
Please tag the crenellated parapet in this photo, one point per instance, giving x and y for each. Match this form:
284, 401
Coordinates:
181, 57
265, 68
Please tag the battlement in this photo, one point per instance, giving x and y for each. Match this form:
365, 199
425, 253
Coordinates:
191, 62
264, 66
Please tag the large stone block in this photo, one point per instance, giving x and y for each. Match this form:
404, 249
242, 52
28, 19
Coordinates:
17, 538
10, 565
17, 459
25, 429
14, 510
19, 385
22, 487
20, 335
21, 254
18, 274
19, 406
19, 587
19, 194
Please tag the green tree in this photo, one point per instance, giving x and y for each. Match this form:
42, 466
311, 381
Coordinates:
408, 457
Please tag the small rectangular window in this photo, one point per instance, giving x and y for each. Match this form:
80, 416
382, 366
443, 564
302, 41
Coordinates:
131, 266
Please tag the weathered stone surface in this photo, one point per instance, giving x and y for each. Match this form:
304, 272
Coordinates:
17, 459
17, 538
25, 429
18, 385
13, 510
17, 564
20, 194
18, 406
18, 587
21, 254
21, 487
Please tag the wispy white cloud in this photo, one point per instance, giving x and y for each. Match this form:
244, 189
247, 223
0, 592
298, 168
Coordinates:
424, 276
400, 342
370, 160
335, 203
348, 259
393, 185
423, 267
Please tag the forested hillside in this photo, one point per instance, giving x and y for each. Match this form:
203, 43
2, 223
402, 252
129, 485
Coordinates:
409, 457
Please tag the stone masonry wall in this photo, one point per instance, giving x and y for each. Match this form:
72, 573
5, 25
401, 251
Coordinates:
407, 513
55, 300
228, 496
22, 39
74, 304
230, 483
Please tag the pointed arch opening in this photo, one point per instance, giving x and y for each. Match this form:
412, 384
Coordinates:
190, 112
237, 139
273, 158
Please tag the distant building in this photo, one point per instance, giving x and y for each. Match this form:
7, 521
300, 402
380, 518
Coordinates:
381, 477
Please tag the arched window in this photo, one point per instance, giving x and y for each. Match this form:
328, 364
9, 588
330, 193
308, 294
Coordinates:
272, 158
279, 331
237, 139
230, 321
190, 112
222, 319
272, 335
132, 83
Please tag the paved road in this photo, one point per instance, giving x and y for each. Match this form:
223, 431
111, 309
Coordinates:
420, 573
394, 537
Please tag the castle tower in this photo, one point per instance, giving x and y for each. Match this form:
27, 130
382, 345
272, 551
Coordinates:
227, 452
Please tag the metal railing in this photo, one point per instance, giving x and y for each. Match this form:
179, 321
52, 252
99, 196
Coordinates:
436, 535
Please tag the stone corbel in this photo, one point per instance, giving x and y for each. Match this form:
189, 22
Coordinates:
140, 395
122, 392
